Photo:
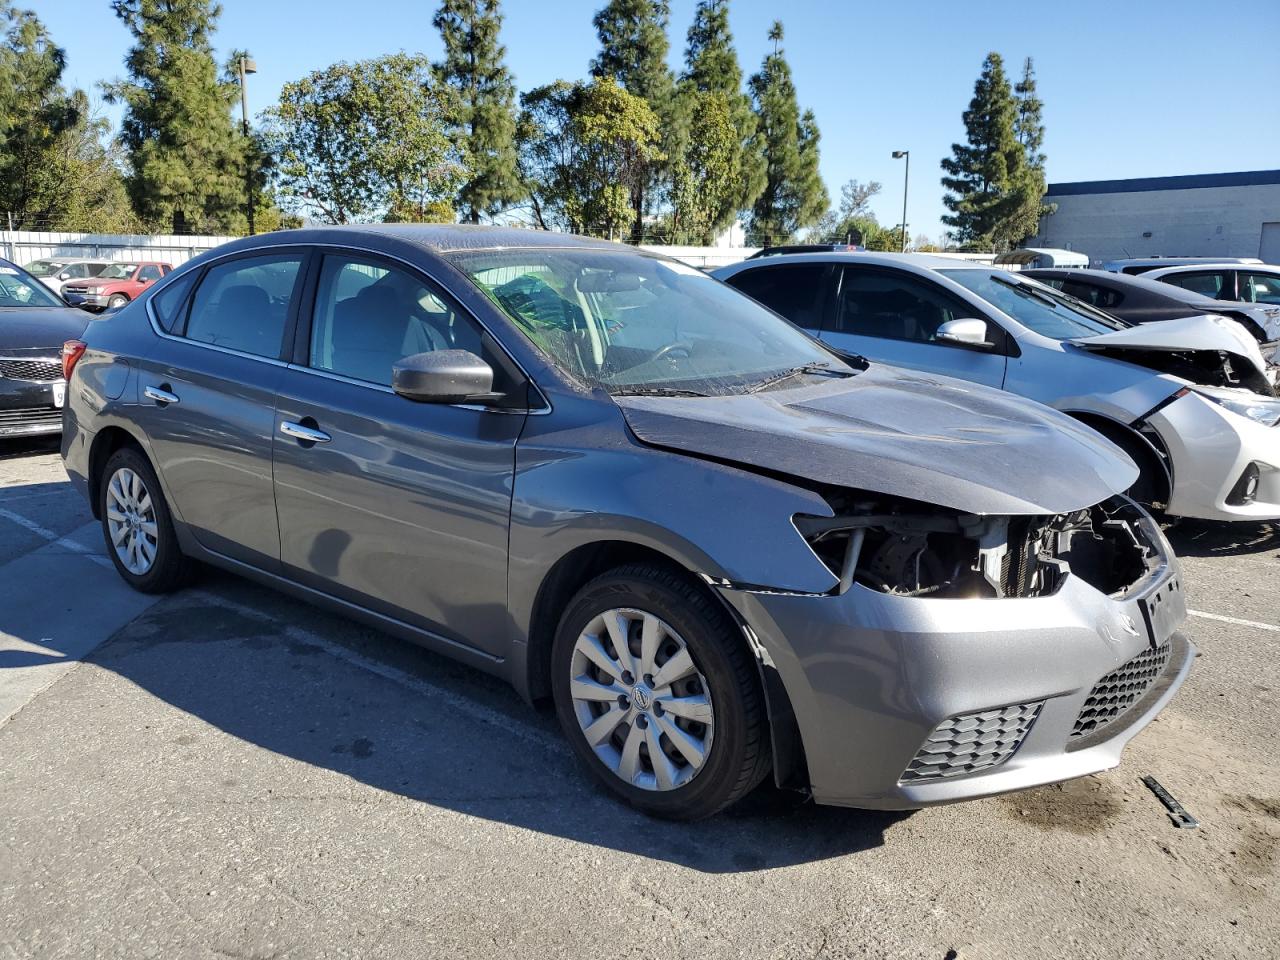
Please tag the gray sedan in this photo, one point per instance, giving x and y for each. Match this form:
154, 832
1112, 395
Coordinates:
722, 550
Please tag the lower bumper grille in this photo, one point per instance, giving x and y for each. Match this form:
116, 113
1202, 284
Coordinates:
30, 419
972, 742
1120, 689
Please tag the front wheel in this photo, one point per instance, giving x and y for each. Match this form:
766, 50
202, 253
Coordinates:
137, 525
658, 694
117, 301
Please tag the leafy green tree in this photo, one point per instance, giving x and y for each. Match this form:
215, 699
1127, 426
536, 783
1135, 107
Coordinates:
711, 67
186, 163
366, 140
704, 178
987, 181
852, 216
633, 53
485, 95
583, 148
55, 171
794, 195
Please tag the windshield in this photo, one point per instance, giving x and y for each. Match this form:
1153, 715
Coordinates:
43, 268
629, 322
17, 290
1036, 306
118, 271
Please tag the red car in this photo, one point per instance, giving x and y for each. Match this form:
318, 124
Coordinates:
115, 286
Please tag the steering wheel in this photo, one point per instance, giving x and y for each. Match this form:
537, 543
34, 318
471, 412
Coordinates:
669, 349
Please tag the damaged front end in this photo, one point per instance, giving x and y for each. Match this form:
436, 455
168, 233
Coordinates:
906, 548
1209, 368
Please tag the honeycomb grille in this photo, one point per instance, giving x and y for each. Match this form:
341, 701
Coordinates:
43, 370
972, 742
1120, 689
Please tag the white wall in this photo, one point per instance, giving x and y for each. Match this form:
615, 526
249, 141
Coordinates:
22, 246
1200, 222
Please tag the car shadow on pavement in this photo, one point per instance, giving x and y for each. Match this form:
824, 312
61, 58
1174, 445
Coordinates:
1207, 538
322, 690
13, 449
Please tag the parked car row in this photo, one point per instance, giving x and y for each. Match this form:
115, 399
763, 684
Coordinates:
96, 284
727, 546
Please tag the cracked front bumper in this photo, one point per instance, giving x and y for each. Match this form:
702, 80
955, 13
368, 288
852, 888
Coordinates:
870, 676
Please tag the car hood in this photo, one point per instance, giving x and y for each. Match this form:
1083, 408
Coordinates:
24, 328
1208, 332
891, 431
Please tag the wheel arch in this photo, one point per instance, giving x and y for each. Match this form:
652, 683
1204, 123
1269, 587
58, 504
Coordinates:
1145, 450
107, 441
572, 571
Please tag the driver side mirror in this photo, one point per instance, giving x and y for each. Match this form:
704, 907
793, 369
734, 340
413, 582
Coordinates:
966, 332
443, 376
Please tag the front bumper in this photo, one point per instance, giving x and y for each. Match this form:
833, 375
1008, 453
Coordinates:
90, 300
1210, 448
29, 407
871, 676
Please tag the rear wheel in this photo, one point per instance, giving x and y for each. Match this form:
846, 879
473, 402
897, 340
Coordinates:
658, 695
137, 525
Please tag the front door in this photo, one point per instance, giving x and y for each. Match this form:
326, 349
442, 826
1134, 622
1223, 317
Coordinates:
207, 397
892, 316
398, 506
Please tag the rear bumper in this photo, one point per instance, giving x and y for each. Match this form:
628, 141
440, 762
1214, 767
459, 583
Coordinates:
872, 676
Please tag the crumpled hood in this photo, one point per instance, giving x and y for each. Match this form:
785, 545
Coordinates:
23, 328
891, 431
1208, 332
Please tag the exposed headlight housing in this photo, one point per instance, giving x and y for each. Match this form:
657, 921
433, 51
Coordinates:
1260, 409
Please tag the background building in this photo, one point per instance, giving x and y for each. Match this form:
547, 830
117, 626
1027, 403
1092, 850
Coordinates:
1206, 215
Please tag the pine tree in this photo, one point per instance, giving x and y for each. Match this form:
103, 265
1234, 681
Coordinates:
1028, 127
711, 67
633, 53
986, 176
794, 195
486, 120
186, 159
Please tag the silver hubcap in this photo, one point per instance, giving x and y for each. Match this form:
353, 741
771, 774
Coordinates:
640, 701
131, 521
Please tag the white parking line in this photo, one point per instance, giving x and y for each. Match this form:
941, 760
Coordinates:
1236, 620
463, 704
88, 552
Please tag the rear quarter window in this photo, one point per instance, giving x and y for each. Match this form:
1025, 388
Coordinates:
167, 305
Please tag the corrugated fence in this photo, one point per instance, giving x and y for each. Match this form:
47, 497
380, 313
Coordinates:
23, 246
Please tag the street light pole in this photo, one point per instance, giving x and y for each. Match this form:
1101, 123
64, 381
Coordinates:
906, 179
247, 67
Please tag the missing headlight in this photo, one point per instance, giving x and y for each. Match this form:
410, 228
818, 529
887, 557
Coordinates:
909, 549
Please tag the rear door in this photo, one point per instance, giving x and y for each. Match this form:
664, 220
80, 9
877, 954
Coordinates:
397, 506
207, 397
893, 316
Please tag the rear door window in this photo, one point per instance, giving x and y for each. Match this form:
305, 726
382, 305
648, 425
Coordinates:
1207, 283
243, 304
796, 291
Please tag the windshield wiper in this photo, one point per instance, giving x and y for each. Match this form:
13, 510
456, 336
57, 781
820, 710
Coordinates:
820, 367
1028, 291
641, 390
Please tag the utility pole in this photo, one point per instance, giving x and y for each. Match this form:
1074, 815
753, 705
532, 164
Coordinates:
906, 179
247, 67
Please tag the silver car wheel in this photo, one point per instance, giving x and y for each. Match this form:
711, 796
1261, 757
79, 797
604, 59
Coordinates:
642, 704
131, 521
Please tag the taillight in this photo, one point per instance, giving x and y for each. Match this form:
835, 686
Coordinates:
72, 351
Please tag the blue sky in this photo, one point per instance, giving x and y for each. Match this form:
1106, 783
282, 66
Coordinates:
1131, 89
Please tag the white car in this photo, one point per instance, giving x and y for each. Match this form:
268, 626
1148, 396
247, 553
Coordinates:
53, 273
1139, 265
1189, 400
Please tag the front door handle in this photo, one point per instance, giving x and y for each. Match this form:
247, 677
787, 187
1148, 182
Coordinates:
160, 395
300, 432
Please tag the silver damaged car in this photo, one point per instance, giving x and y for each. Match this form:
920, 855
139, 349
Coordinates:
723, 551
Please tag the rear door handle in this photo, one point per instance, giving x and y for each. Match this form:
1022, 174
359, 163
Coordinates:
300, 432
159, 395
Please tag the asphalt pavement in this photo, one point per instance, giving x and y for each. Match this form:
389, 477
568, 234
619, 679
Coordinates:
228, 773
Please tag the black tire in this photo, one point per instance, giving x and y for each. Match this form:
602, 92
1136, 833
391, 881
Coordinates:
116, 301
739, 757
169, 569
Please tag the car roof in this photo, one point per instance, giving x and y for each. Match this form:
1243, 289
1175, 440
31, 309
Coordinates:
1224, 265
919, 261
452, 237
